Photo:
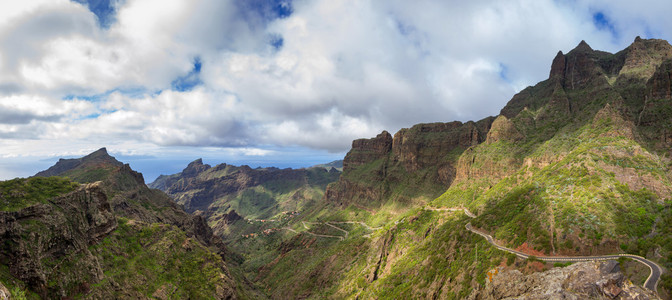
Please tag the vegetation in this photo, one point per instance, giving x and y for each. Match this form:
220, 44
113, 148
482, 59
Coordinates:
19, 193
146, 258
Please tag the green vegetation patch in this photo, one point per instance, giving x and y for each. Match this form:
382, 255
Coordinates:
156, 257
19, 193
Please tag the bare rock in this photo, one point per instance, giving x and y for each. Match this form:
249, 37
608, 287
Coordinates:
61, 229
503, 129
585, 280
368, 150
423, 156
4, 292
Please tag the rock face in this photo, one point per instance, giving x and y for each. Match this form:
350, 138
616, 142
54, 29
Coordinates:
502, 129
660, 84
586, 280
64, 227
419, 162
68, 225
368, 150
4, 293
199, 185
132, 198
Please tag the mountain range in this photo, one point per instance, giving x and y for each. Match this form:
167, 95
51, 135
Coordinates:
537, 202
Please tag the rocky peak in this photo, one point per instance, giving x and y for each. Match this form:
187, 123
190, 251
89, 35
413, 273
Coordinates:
643, 57
368, 150
100, 156
582, 47
581, 67
194, 168
382, 143
97, 157
558, 66
102, 152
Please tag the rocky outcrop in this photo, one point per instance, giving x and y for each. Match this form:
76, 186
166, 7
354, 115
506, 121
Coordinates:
586, 280
194, 168
581, 67
65, 227
660, 84
558, 66
65, 165
655, 118
419, 162
367, 150
642, 57
4, 293
132, 198
503, 129
231, 217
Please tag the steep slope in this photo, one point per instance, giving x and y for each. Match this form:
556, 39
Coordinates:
415, 166
583, 174
113, 238
575, 165
219, 193
130, 197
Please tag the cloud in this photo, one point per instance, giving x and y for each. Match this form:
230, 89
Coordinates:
279, 74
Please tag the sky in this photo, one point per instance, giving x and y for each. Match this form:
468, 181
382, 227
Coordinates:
284, 83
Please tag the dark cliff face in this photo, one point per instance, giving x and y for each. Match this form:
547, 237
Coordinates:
368, 150
418, 163
61, 229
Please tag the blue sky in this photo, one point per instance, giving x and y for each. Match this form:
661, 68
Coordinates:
275, 82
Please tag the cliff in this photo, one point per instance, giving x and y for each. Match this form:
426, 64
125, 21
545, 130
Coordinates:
418, 163
38, 235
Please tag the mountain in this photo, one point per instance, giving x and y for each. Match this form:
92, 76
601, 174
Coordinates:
90, 228
413, 167
249, 208
576, 165
255, 193
574, 168
337, 164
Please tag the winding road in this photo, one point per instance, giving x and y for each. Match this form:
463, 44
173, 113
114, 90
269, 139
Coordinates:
651, 282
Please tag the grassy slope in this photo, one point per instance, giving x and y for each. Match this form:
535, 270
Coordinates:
419, 254
146, 258
19, 193
595, 196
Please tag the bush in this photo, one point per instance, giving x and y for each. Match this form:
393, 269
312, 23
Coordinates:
18, 294
510, 259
